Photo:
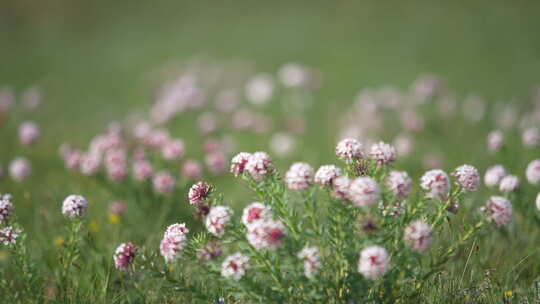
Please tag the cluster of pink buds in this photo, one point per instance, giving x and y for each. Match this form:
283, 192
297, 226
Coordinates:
116, 164
374, 262
192, 170
418, 235
9, 235
173, 149
266, 234
74, 206
124, 256
299, 176
20, 169
326, 175
235, 266
199, 193
436, 183
383, 153
312, 261
29, 133
259, 165
399, 183
142, 170
6, 208
256, 212
494, 175
217, 220
173, 242
499, 210
364, 191
164, 182
349, 149
210, 251
239, 162
467, 177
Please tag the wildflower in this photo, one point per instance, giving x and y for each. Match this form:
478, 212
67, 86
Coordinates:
114, 218
210, 251
533, 172
116, 164
192, 170
124, 256
282, 144
326, 175
217, 219
499, 210
374, 262
495, 140
142, 170
538, 201
418, 235
312, 261
364, 191
399, 183
173, 149
294, 75
6, 100
173, 242
238, 163
207, 122
74, 206
29, 133
467, 177
6, 208
118, 208
227, 100
382, 153
266, 234
90, 163
255, 212
164, 182
494, 175
509, 183
340, 188
199, 192
235, 266
349, 149
9, 235
299, 176
531, 137
394, 209
20, 169
259, 89
404, 145
59, 241
436, 183
216, 162
32, 99
259, 165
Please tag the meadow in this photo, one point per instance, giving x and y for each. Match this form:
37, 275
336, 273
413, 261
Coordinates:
356, 104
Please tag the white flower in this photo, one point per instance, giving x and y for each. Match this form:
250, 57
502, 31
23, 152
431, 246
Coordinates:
259, 165
538, 201
217, 219
495, 140
235, 266
494, 175
436, 183
364, 191
326, 175
374, 262
531, 137
399, 183
9, 235
340, 187
418, 235
509, 183
312, 260
20, 169
29, 133
382, 153
467, 177
299, 176
533, 172
74, 206
259, 89
349, 149
256, 212
499, 210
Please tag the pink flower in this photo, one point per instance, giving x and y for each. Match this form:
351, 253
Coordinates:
374, 262
340, 188
299, 176
533, 172
418, 236
495, 140
32, 99
199, 192
239, 162
173, 242
90, 163
499, 210
531, 137
116, 164
399, 183
192, 170
124, 256
235, 266
142, 170
509, 183
349, 149
436, 183
312, 261
259, 89
6, 208
9, 235
494, 175
266, 234
216, 162
74, 206
227, 101
210, 251
382, 153
282, 144
72, 159
364, 191
29, 133
164, 182
256, 212
118, 208
6, 100
404, 145
327, 174
20, 169
208, 123
173, 149
259, 165
467, 177
217, 220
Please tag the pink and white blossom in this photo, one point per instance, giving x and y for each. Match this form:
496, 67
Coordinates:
124, 256
399, 183
533, 172
494, 175
499, 210
256, 212
74, 206
326, 174
299, 176
349, 149
418, 235
467, 177
436, 183
217, 220
374, 262
266, 234
312, 261
235, 266
364, 191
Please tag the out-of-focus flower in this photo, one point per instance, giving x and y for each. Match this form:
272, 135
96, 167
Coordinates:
239, 162
382, 153
474, 108
404, 145
495, 140
282, 144
349, 149
399, 183
312, 261
217, 220
9, 235
267, 234
374, 262
427, 87
6, 208
74, 206
208, 123
299, 176
235, 266
29, 133
118, 208
173, 149
432, 161
210, 251
173, 242
436, 183
164, 182
192, 170
533, 172
259, 89
116, 164
256, 212
467, 177
6, 100
412, 121
227, 101
499, 210
259, 165
340, 188
142, 170
326, 174
531, 137
509, 183
32, 98
294, 75
20, 169
538, 201
90, 163
199, 193
494, 175
364, 191
216, 162
418, 235
124, 256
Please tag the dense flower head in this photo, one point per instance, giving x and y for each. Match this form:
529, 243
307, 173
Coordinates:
74, 206
326, 174
217, 220
374, 262
173, 149
238, 163
312, 261
494, 175
533, 172
467, 177
436, 183
6, 208
538, 201
235, 266
509, 183
340, 187
124, 256
210, 251
499, 210
382, 153
173, 242
495, 140
349, 149
29, 133
299, 176
20, 169
9, 235
192, 170
399, 183
256, 212
259, 165
199, 192
164, 182
266, 234
418, 235
364, 191
142, 170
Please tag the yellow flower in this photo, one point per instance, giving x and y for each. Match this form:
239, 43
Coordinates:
508, 294
59, 241
94, 226
114, 218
